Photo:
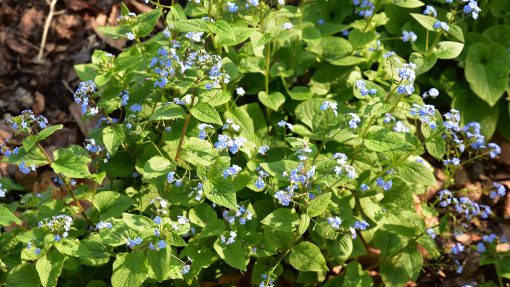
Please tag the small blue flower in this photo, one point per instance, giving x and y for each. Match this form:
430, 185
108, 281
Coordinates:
157, 220
57, 238
364, 187
185, 269
136, 108
260, 183
287, 26
37, 251
457, 248
441, 25
161, 244
432, 233
406, 36
481, 247
430, 10
130, 36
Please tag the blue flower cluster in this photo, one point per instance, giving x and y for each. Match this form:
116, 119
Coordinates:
361, 86
241, 214
232, 171
103, 225
463, 205
132, 243
230, 239
426, 114
83, 95
364, 8
224, 141
169, 64
341, 160
24, 121
385, 185
409, 36
500, 190
60, 224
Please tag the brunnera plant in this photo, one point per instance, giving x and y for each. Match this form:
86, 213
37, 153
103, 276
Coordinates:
251, 136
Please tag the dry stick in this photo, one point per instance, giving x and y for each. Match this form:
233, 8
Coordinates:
46, 28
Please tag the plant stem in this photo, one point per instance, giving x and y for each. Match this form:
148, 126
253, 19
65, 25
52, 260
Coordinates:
82, 211
45, 31
186, 122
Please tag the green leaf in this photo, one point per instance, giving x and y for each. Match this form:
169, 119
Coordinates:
355, 276
436, 147
48, 131
222, 29
86, 72
416, 172
221, 191
487, 69
456, 32
402, 268
277, 168
130, 269
206, 113
73, 149
146, 22
319, 204
273, 100
161, 263
168, 112
6, 217
232, 254
23, 275
72, 247
377, 107
475, 109
156, 170
114, 32
301, 93
138, 223
330, 48
503, 267
113, 138
176, 14
358, 38
71, 166
214, 227
306, 256
31, 156
449, 49
49, 267
29, 141
304, 222
426, 21
423, 63
340, 248
111, 204
98, 254
283, 219
380, 139
192, 25
201, 214
407, 3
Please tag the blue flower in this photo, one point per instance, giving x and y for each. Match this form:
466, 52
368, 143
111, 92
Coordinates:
130, 36
57, 238
361, 225
441, 25
431, 232
353, 123
157, 219
430, 10
320, 21
185, 269
364, 187
406, 36
327, 104
170, 177
240, 91
259, 183
495, 150
481, 247
287, 26
161, 244
136, 108
37, 251
457, 248
335, 222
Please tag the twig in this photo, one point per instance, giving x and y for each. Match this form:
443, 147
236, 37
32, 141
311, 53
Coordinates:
46, 28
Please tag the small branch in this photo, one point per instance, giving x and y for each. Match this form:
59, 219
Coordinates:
46, 28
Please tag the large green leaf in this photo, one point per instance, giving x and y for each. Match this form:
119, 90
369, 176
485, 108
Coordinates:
358, 38
6, 217
49, 267
330, 48
23, 275
319, 204
130, 269
221, 191
168, 112
306, 256
273, 100
355, 276
416, 172
206, 113
487, 69
232, 254
113, 138
402, 268
222, 29
426, 22
380, 140
163, 265
71, 166
111, 204
146, 22
283, 219
449, 49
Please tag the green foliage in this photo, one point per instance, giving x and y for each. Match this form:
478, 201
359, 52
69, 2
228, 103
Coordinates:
265, 141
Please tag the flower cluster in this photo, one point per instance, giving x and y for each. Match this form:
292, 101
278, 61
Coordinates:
385, 185
132, 243
60, 224
241, 214
25, 119
230, 239
2, 191
409, 36
224, 141
361, 86
426, 114
364, 8
341, 159
83, 95
232, 171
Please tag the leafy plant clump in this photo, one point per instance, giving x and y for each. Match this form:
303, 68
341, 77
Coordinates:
257, 139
